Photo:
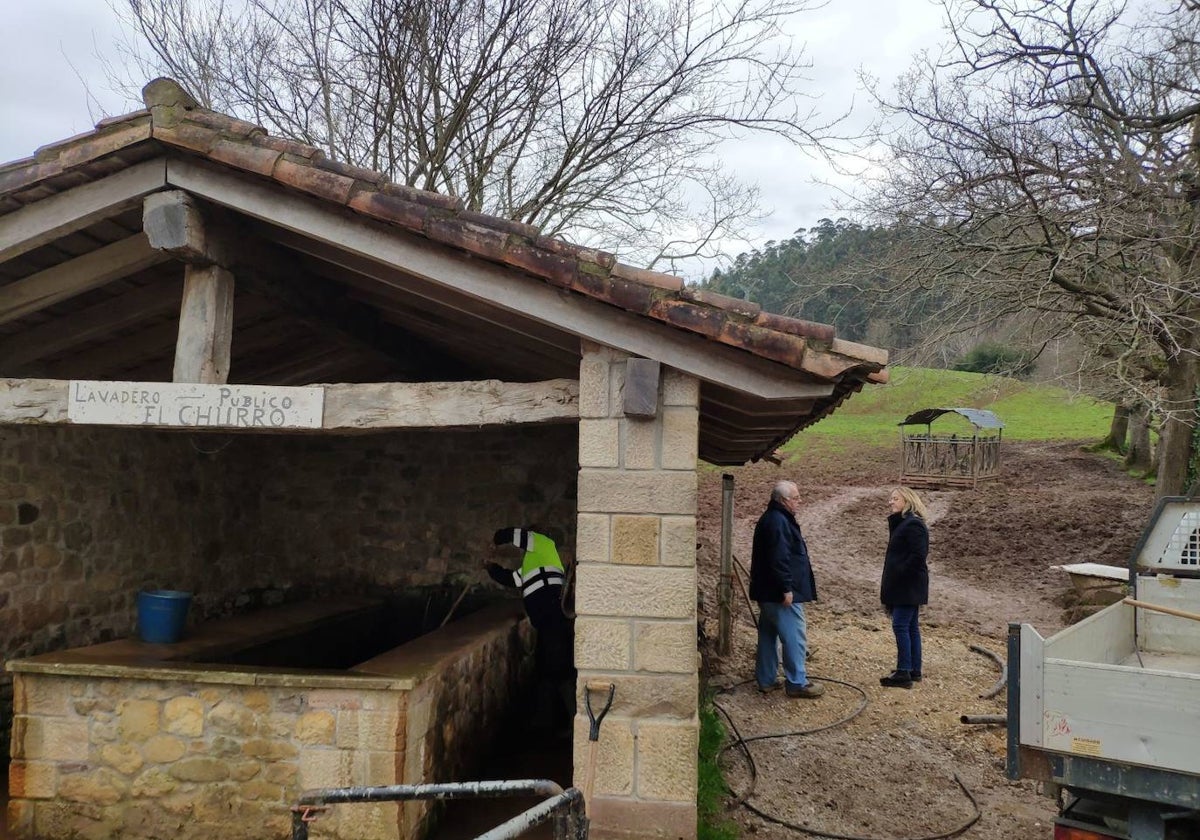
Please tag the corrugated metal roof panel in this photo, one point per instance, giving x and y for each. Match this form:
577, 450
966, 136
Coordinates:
977, 417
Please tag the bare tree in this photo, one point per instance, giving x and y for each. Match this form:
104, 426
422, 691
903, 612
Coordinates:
1048, 167
597, 118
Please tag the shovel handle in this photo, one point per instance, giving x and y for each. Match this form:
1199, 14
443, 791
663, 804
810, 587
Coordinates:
594, 719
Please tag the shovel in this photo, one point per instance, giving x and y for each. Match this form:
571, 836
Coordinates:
594, 734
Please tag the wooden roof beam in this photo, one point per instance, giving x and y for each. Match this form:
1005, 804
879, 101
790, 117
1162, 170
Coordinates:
41, 222
349, 408
61, 334
74, 277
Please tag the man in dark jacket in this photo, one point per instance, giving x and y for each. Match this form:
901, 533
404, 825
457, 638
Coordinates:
781, 580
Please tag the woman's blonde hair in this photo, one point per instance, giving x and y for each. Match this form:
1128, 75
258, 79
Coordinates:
912, 502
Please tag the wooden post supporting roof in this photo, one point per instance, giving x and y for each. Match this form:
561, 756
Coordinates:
173, 223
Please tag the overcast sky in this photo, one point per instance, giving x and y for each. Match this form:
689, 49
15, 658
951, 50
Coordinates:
53, 85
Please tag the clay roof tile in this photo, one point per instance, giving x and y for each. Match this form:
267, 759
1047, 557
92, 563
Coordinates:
741, 307
429, 199
795, 326
312, 180
650, 278
357, 173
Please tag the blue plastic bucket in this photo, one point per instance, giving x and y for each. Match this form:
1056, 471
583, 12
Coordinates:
161, 615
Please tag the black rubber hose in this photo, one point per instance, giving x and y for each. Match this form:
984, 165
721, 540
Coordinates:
744, 745
999, 686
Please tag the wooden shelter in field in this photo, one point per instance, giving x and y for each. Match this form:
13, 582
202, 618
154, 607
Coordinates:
948, 457
232, 366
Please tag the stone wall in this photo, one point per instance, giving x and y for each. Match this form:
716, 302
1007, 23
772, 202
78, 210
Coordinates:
636, 601
226, 754
89, 516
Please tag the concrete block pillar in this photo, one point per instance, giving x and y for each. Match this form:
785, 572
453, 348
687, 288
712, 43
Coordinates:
635, 601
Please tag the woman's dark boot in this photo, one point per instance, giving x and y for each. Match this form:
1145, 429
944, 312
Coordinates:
897, 679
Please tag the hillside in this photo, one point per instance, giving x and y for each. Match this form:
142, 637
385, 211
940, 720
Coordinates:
1029, 411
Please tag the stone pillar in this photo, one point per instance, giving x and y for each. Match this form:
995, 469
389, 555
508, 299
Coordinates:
636, 602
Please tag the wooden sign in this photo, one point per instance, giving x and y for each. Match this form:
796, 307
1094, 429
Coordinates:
179, 404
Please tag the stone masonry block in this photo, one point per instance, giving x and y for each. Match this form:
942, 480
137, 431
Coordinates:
635, 540
33, 779
680, 438
20, 817
199, 769
375, 821
155, 783
332, 698
98, 787
591, 349
366, 730
616, 385
592, 538
680, 388
269, 749
124, 758
383, 768
614, 755
35, 695
616, 818
326, 768
184, 716
640, 446
138, 719
602, 644
660, 695
50, 739
232, 718
163, 749
635, 591
625, 491
599, 443
593, 387
665, 646
666, 760
678, 541
316, 727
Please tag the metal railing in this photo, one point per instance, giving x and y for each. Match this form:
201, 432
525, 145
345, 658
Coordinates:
564, 807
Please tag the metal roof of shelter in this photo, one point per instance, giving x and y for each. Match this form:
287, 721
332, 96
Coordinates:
977, 417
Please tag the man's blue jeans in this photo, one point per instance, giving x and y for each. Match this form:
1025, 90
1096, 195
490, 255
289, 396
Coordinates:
787, 625
908, 638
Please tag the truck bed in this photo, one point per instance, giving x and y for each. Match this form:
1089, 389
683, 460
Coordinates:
1123, 685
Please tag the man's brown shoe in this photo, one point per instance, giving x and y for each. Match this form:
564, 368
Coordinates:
807, 692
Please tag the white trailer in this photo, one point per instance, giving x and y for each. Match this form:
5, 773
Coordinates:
1106, 713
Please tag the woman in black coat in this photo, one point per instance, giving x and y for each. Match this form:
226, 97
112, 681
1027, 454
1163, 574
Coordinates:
904, 588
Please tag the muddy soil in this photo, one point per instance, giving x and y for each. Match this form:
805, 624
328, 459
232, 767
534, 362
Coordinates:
890, 771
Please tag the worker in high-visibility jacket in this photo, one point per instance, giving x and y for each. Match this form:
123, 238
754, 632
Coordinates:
541, 579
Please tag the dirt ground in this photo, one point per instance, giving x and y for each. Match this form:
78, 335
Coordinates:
889, 772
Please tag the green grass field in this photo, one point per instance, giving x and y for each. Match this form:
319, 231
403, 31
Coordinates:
1028, 411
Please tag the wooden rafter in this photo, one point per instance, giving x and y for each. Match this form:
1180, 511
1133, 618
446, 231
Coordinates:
58, 215
326, 309
74, 277
61, 334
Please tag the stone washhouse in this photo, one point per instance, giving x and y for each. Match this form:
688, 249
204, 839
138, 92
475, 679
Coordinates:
232, 366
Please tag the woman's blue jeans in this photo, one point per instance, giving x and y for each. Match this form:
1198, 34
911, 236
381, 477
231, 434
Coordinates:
787, 625
908, 638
